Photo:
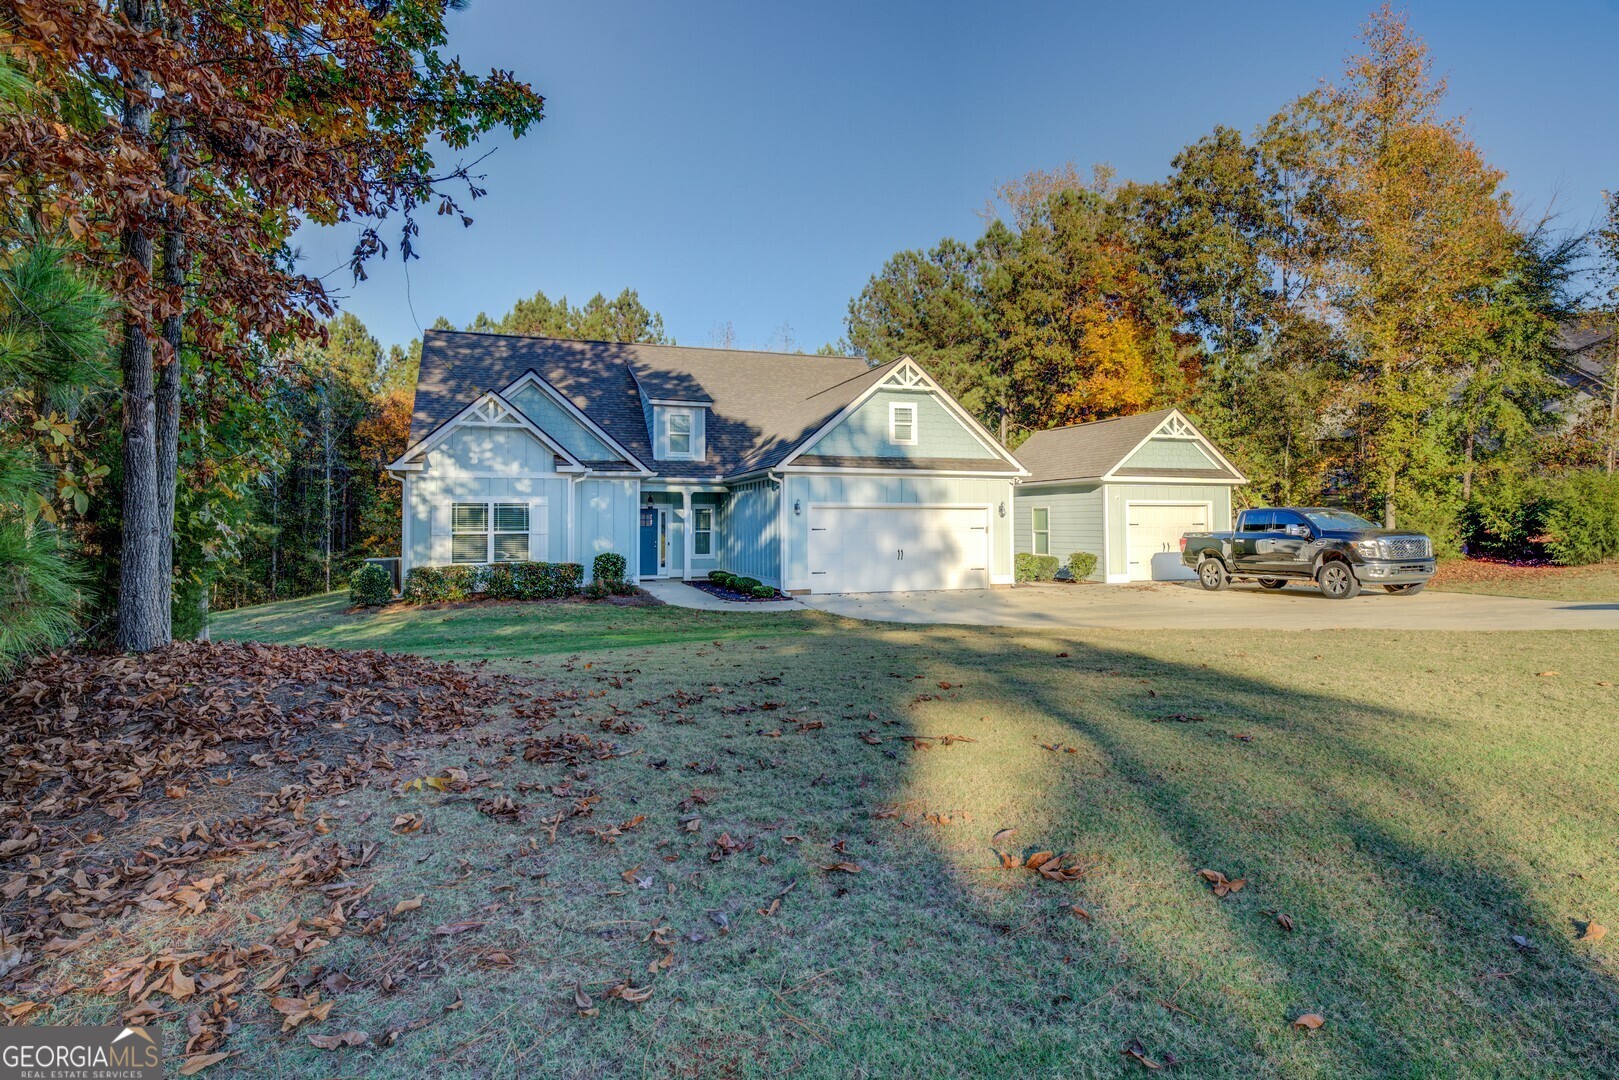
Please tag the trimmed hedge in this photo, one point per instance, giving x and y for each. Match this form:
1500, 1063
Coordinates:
745, 584
500, 581
1028, 567
609, 566
370, 586
1081, 565
764, 592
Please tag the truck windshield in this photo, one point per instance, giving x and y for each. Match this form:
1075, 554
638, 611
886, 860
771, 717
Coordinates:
1337, 519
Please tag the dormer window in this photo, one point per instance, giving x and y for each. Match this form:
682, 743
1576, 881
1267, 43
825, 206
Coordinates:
680, 433
902, 424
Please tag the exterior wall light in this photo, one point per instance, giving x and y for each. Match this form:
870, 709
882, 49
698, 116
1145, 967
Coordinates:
1003, 508
798, 507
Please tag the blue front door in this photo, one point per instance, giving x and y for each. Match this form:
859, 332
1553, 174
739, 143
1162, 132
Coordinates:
649, 541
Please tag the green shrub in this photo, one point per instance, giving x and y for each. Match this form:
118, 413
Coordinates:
434, 584
622, 588
497, 583
1435, 515
764, 591
745, 584
545, 581
717, 576
609, 566
1582, 519
370, 586
1505, 517
1034, 567
598, 589
1081, 565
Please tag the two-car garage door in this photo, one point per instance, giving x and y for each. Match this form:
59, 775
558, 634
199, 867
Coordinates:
898, 548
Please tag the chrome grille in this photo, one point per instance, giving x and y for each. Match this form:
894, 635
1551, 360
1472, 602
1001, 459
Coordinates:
1405, 547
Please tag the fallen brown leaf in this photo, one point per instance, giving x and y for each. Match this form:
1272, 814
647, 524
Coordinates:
459, 927
1594, 931
845, 867
332, 1042
194, 1064
1310, 1021
409, 905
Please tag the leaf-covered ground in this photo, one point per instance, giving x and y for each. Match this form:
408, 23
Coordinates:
1537, 581
755, 844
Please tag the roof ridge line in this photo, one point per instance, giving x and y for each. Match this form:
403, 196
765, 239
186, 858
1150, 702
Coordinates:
646, 344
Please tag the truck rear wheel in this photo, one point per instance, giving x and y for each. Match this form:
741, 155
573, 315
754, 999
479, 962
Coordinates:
1337, 580
1211, 575
1272, 583
1406, 590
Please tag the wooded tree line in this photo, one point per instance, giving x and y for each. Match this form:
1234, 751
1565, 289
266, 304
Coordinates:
1346, 299
155, 158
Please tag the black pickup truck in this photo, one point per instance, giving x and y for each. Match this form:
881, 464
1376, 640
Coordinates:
1339, 551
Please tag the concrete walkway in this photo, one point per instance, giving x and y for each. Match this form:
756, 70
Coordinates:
1186, 606
679, 594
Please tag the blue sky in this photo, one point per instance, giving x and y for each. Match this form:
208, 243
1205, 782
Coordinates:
756, 163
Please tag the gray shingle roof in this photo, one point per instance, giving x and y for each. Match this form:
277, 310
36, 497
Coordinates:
1088, 451
763, 404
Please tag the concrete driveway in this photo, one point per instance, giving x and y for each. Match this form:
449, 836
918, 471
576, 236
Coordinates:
1186, 606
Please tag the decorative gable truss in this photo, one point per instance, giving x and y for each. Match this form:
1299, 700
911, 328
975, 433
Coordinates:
489, 411
908, 375
1175, 427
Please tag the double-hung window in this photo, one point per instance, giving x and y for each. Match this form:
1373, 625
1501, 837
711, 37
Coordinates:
489, 532
1042, 530
702, 530
679, 434
902, 424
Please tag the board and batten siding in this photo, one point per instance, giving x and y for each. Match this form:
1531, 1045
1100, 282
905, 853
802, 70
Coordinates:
749, 525
508, 450
1075, 521
431, 498
853, 490
1218, 496
556, 422
606, 519
864, 432
1170, 454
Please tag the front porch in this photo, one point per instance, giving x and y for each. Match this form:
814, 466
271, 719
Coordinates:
679, 530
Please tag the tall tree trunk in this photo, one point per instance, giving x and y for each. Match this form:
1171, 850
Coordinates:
171, 373
143, 573
1467, 472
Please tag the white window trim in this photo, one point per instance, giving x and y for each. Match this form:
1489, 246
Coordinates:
696, 531
893, 409
670, 453
1034, 533
489, 531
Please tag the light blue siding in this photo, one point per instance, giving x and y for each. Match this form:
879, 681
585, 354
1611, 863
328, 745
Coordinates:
749, 526
606, 520
1074, 517
660, 432
886, 490
864, 433
1170, 454
504, 449
555, 421
432, 496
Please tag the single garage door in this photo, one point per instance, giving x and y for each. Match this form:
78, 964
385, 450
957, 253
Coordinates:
1154, 531
897, 548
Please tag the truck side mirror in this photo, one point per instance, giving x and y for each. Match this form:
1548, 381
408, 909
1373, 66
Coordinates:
1300, 531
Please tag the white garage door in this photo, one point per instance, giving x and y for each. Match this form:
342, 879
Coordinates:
1154, 531
897, 548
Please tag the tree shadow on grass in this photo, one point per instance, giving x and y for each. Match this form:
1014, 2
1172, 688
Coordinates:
1405, 890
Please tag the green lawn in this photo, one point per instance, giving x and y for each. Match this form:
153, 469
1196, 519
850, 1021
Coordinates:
1410, 801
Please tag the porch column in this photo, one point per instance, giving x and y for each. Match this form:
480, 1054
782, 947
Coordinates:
686, 530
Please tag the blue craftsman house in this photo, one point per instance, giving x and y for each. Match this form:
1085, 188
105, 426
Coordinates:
810, 473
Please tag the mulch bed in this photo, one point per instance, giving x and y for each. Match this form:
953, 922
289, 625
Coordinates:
135, 791
714, 589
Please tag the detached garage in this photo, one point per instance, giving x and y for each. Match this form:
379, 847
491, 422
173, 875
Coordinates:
1124, 489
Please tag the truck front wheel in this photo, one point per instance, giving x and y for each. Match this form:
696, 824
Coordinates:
1337, 580
1211, 575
